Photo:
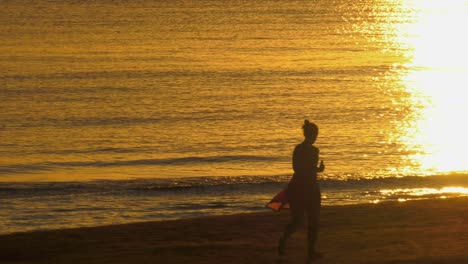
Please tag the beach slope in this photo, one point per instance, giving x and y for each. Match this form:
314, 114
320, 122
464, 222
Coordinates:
428, 231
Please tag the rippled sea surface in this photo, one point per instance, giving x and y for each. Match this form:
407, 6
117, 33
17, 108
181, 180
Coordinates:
153, 110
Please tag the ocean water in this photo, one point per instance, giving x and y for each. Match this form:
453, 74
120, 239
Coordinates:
122, 111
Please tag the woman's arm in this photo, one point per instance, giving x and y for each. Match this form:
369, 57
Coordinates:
321, 168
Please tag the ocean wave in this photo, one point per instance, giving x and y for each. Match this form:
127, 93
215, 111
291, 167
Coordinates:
92, 151
35, 167
220, 184
120, 121
119, 74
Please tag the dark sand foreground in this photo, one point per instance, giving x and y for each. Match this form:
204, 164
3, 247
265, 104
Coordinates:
430, 231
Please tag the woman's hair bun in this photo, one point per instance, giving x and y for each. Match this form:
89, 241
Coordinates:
309, 127
306, 124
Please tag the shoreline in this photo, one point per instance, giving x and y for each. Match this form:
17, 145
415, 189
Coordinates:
422, 231
51, 206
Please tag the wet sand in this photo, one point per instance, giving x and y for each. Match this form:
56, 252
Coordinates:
428, 231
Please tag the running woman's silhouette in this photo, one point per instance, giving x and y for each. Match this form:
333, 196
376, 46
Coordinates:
304, 191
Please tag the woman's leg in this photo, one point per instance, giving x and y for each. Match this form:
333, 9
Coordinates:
297, 214
313, 214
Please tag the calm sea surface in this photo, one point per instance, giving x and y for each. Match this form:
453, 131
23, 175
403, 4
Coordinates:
120, 111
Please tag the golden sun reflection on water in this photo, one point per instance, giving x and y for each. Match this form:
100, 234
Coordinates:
426, 191
407, 194
435, 133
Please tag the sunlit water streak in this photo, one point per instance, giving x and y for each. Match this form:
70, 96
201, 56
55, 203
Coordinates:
436, 79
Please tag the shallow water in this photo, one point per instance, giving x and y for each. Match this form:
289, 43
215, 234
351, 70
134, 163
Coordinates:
33, 206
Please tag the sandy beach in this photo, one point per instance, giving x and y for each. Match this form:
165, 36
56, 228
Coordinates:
428, 231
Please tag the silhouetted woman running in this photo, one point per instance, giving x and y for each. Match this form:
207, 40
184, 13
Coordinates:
304, 191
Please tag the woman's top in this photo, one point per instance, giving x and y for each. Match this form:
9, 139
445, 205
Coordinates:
305, 159
303, 184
